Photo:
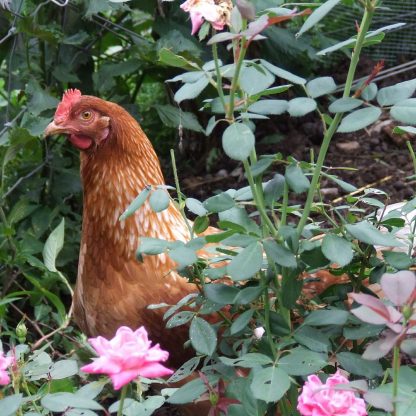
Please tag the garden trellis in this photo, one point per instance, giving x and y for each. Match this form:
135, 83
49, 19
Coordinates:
398, 49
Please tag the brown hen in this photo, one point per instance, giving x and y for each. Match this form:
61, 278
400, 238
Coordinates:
117, 161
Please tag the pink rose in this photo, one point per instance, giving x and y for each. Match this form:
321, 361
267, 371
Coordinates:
318, 399
5, 363
215, 12
127, 356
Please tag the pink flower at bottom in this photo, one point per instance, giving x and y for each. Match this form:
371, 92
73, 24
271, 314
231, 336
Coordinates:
5, 363
216, 12
126, 356
318, 399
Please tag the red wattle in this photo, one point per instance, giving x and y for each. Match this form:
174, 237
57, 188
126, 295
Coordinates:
80, 142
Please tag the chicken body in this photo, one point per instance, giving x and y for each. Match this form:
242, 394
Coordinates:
117, 162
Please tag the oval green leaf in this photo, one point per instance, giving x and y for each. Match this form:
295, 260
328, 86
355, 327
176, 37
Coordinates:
269, 384
247, 263
342, 105
238, 141
203, 337
136, 204
159, 200
337, 249
300, 106
359, 119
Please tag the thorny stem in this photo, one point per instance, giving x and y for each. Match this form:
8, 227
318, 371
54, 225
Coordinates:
258, 200
412, 154
234, 84
267, 316
218, 73
178, 191
122, 397
396, 368
365, 24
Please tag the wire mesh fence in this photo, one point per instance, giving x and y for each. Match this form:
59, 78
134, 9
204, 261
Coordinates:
398, 47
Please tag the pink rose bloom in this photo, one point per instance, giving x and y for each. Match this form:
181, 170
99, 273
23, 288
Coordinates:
5, 363
318, 399
127, 356
215, 12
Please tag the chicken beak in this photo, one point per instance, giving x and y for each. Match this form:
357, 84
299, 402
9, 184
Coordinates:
54, 128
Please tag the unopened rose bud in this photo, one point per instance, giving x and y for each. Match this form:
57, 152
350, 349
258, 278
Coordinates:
21, 332
259, 332
407, 312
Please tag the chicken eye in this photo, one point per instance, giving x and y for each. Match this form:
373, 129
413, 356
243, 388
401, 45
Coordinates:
86, 115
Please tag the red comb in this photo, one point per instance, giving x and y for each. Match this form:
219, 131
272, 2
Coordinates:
69, 98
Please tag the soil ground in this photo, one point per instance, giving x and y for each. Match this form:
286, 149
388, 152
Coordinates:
375, 156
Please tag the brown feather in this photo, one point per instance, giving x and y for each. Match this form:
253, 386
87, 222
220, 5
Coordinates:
113, 288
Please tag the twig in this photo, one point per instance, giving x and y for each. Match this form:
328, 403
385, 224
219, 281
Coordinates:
21, 179
40, 341
371, 185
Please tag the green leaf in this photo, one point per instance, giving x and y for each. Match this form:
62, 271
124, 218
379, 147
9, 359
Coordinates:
10, 404
343, 105
300, 106
370, 92
337, 249
136, 204
247, 263
242, 321
317, 15
200, 224
195, 207
40, 99
159, 200
269, 384
220, 293
398, 260
238, 141
53, 246
359, 119
184, 256
274, 189
404, 129
296, 179
279, 254
185, 370
203, 337
396, 93
312, 338
174, 117
219, 203
248, 294
167, 57
250, 360
150, 245
257, 169
355, 364
59, 402
91, 390
181, 318
321, 86
367, 233
49, 295
63, 369
274, 107
288, 76
405, 111
253, 80
302, 362
188, 392
191, 90
327, 317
